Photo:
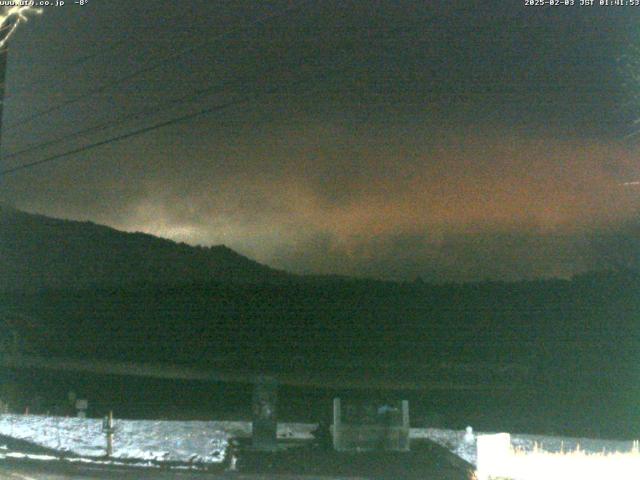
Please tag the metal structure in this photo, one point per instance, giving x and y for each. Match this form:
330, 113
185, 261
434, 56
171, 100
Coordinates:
366, 427
265, 419
354, 381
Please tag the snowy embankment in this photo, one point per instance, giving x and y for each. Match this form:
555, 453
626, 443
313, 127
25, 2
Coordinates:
158, 441
200, 442
465, 446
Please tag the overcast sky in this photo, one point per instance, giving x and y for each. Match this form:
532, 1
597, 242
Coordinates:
449, 140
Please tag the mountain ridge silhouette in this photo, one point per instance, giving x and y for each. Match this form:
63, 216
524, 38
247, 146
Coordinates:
39, 252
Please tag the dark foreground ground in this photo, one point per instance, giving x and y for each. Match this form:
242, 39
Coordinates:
426, 461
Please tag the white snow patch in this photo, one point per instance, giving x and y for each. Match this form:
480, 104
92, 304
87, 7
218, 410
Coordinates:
198, 442
454, 441
144, 440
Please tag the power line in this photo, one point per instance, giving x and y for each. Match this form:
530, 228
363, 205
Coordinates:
109, 124
143, 113
114, 47
217, 88
123, 136
140, 131
152, 66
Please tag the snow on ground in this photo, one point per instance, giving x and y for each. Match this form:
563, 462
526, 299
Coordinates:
455, 441
158, 441
205, 442
199, 442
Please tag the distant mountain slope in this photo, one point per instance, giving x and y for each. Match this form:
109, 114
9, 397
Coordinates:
38, 251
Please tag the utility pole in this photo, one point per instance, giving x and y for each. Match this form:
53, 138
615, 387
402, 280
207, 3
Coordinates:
4, 53
11, 17
5, 32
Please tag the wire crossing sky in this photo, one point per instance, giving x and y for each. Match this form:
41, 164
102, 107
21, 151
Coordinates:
163, 62
451, 142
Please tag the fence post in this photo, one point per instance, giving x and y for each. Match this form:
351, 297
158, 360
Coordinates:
337, 424
404, 440
107, 428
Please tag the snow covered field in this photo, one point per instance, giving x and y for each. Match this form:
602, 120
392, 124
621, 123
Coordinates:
455, 441
200, 442
159, 441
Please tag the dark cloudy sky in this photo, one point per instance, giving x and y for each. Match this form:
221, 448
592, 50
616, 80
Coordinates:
451, 140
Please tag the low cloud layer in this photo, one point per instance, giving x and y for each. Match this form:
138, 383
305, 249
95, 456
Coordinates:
342, 197
405, 139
